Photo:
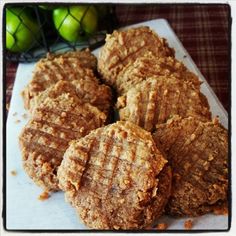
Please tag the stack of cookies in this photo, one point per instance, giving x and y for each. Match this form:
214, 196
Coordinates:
164, 155
66, 102
158, 93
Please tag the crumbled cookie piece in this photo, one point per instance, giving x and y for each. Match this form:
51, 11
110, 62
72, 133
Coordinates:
17, 121
44, 196
221, 210
162, 226
13, 173
188, 224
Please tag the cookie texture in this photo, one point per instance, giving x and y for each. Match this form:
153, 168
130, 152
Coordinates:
198, 154
123, 47
150, 65
156, 99
85, 58
116, 178
78, 65
45, 138
88, 91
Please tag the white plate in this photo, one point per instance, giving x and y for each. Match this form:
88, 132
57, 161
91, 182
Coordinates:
25, 211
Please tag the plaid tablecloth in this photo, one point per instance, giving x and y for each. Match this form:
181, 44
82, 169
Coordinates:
202, 29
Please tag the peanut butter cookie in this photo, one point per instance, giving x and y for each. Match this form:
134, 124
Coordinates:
198, 154
45, 138
116, 178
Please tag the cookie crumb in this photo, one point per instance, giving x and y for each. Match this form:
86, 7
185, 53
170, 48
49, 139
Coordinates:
162, 226
25, 116
188, 224
7, 106
15, 113
44, 196
13, 173
221, 210
17, 121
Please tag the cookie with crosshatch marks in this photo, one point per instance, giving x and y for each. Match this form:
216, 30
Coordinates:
150, 65
76, 65
156, 99
54, 123
116, 178
123, 47
198, 154
88, 91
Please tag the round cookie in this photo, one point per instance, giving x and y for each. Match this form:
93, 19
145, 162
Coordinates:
45, 138
198, 154
150, 65
88, 91
156, 99
116, 178
123, 47
78, 65
85, 58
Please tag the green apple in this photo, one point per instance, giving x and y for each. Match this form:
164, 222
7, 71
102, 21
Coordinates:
75, 23
22, 30
10, 40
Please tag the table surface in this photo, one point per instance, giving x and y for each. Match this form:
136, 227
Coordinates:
202, 29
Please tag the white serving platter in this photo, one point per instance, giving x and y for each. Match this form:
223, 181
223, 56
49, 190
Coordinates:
23, 209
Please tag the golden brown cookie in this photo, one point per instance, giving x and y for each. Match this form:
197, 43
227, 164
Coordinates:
124, 47
156, 99
151, 66
54, 123
115, 177
198, 154
88, 91
85, 57
69, 66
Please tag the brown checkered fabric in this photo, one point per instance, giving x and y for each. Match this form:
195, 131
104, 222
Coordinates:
202, 28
